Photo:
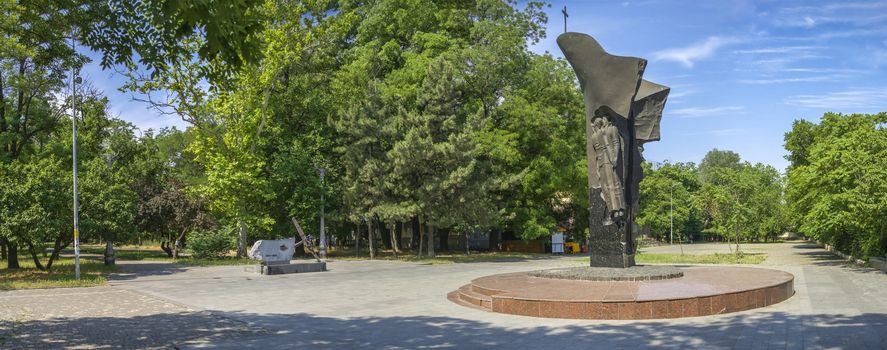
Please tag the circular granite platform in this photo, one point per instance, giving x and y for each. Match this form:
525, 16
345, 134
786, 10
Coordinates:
634, 273
701, 291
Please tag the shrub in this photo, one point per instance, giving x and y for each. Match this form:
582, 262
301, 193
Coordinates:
210, 244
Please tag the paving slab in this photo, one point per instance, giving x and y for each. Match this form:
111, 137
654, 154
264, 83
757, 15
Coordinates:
395, 305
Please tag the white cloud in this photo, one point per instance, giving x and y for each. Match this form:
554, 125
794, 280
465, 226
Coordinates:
687, 56
808, 22
852, 33
714, 132
699, 112
780, 50
826, 70
863, 99
680, 93
856, 14
724, 132
878, 58
855, 5
819, 78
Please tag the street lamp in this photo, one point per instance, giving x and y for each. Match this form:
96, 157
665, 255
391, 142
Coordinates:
110, 157
322, 224
671, 213
74, 80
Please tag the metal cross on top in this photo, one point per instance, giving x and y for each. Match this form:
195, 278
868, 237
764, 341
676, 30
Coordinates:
564, 11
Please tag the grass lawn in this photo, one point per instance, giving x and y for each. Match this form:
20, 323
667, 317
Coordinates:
716, 258
440, 258
156, 254
230, 260
92, 273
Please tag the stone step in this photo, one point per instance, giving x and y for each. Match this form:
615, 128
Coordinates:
468, 295
483, 291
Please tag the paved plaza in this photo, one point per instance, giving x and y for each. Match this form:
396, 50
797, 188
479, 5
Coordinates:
396, 305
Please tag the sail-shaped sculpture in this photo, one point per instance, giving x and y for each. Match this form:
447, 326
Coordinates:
623, 112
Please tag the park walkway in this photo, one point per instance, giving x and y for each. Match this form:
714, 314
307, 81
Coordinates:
395, 305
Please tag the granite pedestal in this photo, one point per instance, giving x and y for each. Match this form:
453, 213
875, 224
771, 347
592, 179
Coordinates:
700, 291
300, 267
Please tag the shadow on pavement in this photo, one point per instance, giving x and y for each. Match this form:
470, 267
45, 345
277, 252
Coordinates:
759, 330
159, 331
129, 271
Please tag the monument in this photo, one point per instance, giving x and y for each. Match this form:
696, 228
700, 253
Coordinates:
274, 251
275, 255
622, 112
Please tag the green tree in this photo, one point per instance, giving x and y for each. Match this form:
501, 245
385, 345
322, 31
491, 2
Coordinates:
36, 206
836, 182
157, 32
667, 199
743, 201
714, 160
34, 59
107, 204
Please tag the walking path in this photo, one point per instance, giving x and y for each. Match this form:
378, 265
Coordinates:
396, 305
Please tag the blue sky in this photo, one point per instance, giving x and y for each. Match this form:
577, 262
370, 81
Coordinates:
740, 71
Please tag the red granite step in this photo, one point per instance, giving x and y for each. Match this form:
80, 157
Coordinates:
701, 291
489, 292
454, 297
468, 295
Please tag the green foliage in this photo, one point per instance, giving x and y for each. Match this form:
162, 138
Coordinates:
435, 110
211, 244
35, 202
156, 31
713, 161
667, 200
724, 196
161, 173
837, 181
107, 204
456, 121
743, 202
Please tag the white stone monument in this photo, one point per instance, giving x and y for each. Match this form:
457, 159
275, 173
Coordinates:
273, 252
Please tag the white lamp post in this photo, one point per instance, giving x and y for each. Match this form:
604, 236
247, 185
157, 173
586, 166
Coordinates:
74, 81
322, 224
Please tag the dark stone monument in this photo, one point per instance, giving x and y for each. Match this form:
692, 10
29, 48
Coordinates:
622, 112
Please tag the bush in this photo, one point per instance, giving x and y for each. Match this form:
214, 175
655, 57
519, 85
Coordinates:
210, 244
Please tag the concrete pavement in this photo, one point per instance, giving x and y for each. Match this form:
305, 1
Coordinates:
395, 305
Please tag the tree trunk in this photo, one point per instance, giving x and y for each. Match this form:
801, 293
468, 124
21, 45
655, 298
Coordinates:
34, 256
421, 241
399, 235
178, 245
392, 231
430, 240
384, 234
164, 245
11, 255
416, 236
57, 249
737, 244
2, 246
467, 243
357, 241
109, 253
444, 236
370, 239
241, 239
494, 240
